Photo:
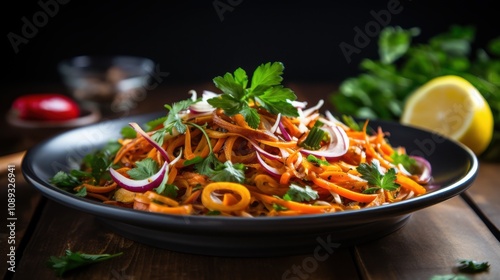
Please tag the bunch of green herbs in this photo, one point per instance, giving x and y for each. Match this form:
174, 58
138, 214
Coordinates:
380, 91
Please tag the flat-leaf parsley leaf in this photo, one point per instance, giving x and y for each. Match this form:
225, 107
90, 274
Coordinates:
265, 91
376, 179
74, 260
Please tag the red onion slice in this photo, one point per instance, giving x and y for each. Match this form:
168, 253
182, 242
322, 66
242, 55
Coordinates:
139, 130
271, 170
259, 149
339, 143
140, 185
285, 133
425, 168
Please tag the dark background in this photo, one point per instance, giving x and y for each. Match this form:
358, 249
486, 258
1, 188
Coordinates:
189, 40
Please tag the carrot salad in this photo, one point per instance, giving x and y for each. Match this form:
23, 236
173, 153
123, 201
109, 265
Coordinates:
252, 150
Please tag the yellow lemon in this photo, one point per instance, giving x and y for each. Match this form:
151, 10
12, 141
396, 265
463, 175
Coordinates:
453, 107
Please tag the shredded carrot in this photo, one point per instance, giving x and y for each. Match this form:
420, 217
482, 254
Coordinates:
188, 152
352, 195
99, 189
98, 196
408, 183
292, 205
208, 187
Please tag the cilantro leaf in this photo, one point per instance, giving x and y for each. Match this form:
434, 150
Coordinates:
274, 100
82, 192
195, 160
228, 172
268, 74
240, 76
384, 83
317, 161
265, 91
394, 42
230, 104
64, 180
472, 266
173, 119
168, 190
143, 169
206, 166
409, 163
229, 86
155, 123
128, 132
213, 213
72, 260
278, 207
251, 116
299, 194
98, 161
373, 175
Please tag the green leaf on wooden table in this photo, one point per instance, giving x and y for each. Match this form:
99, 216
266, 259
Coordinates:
72, 260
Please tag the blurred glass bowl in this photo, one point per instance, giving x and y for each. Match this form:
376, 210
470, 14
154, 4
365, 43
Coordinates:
106, 81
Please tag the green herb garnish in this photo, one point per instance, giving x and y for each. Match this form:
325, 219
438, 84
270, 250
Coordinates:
173, 120
403, 65
409, 163
265, 91
212, 167
316, 161
472, 266
299, 194
128, 132
377, 180
143, 169
64, 180
74, 260
98, 162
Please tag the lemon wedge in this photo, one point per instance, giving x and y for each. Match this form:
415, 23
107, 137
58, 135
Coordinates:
453, 107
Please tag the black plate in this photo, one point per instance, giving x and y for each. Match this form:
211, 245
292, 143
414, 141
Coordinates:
454, 169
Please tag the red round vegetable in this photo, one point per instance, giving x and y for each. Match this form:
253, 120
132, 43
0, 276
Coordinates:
46, 106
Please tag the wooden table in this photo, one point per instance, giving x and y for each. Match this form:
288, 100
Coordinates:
464, 227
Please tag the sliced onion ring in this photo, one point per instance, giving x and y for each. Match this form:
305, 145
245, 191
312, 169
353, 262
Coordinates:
271, 170
285, 133
425, 168
139, 130
140, 185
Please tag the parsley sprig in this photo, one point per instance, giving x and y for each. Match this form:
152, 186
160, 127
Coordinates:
171, 121
72, 260
265, 91
97, 162
212, 167
472, 266
376, 179
300, 194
